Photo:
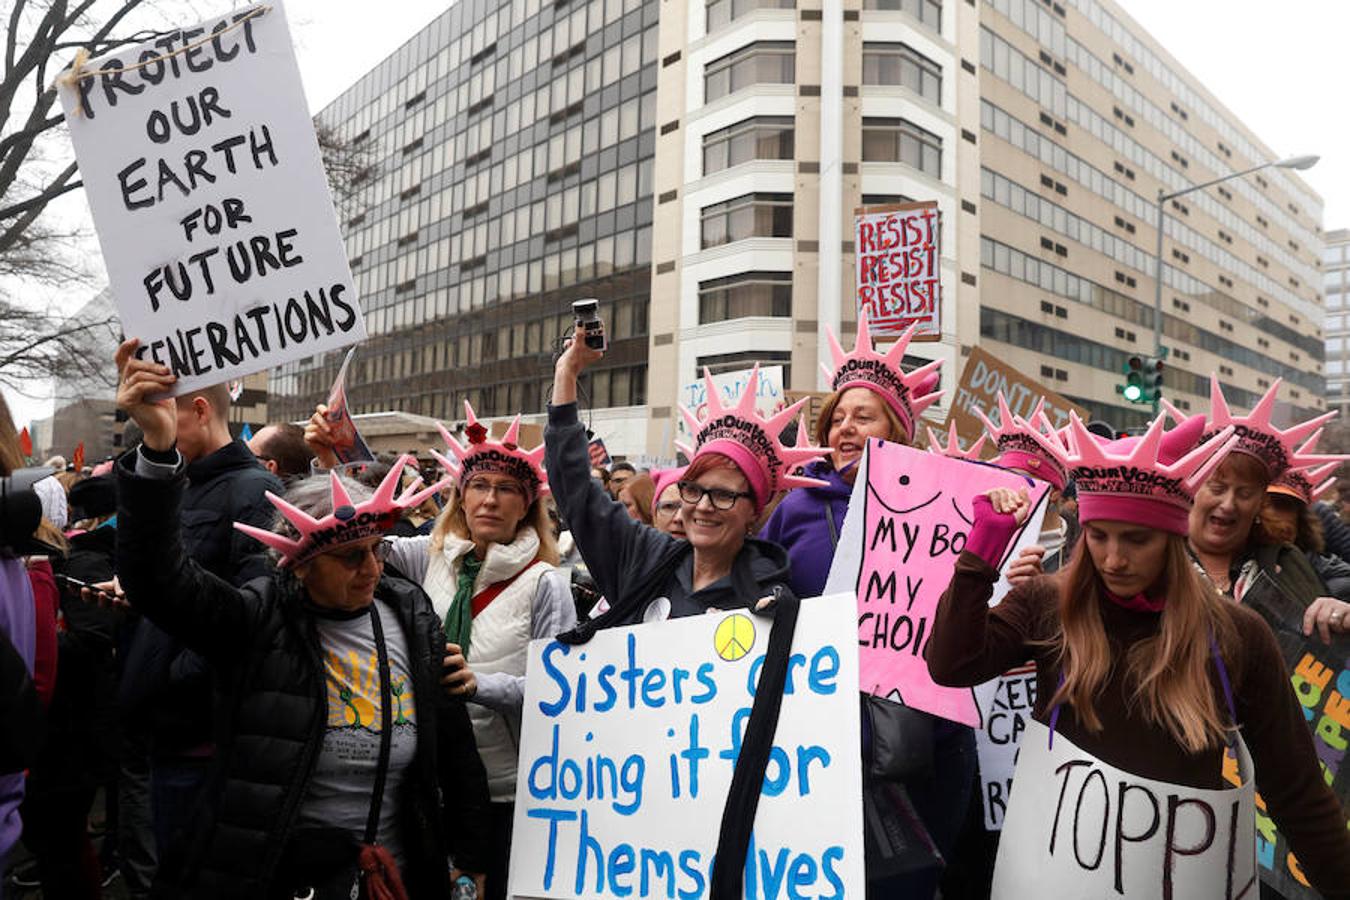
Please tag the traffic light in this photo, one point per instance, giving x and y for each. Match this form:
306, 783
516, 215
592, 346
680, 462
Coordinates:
1153, 379
1134, 380
1143, 379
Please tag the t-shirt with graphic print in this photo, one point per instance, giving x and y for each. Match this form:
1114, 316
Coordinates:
344, 774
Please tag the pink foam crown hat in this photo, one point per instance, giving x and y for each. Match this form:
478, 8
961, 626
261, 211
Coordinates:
751, 441
504, 457
1149, 480
1018, 447
907, 393
953, 445
1309, 484
348, 522
1257, 436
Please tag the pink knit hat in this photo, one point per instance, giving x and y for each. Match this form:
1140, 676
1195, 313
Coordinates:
1257, 436
664, 478
348, 523
907, 393
1150, 480
750, 441
1018, 448
953, 446
503, 457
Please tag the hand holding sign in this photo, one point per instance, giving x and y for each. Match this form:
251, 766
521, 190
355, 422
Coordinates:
139, 382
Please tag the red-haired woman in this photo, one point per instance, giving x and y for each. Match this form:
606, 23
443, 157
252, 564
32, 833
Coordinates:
1145, 675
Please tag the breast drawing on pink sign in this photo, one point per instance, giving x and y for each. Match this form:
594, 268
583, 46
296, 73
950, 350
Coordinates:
908, 519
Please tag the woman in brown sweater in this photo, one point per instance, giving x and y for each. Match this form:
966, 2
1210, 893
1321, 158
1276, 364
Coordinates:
1145, 676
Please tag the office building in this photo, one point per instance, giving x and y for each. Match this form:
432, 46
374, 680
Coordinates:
1336, 285
1084, 120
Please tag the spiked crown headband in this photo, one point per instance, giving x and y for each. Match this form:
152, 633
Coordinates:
504, 457
907, 393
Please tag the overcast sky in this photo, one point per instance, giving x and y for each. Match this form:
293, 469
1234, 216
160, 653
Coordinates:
1280, 67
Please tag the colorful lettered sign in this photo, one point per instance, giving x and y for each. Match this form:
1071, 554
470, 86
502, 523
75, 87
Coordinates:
628, 745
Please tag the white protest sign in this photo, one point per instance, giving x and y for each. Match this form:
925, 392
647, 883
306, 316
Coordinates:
1080, 827
204, 177
628, 745
1006, 705
769, 397
899, 268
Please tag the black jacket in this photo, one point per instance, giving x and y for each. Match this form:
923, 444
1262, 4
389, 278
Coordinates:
264, 648
1335, 533
633, 563
167, 688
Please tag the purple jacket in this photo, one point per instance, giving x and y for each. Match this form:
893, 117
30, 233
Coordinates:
18, 620
801, 524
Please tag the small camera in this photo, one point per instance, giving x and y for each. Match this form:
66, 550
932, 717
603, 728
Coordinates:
587, 314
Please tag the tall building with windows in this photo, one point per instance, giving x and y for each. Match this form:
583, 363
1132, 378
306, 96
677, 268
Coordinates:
512, 148
775, 121
1336, 284
1084, 120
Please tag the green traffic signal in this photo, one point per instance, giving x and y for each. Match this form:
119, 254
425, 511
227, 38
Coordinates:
1133, 393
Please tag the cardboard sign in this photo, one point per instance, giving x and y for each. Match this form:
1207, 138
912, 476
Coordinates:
1006, 704
599, 455
899, 268
628, 744
1080, 827
204, 177
984, 376
348, 444
769, 399
1320, 675
907, 523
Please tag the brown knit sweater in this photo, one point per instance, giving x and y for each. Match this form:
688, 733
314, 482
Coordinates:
971, 643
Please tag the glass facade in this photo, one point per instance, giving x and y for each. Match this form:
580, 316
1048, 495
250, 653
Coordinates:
513, 145
1336, 287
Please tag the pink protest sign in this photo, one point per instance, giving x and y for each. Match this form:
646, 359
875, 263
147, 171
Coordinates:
899, 267
907, 523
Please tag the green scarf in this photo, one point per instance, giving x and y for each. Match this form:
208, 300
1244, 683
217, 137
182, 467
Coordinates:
459, 617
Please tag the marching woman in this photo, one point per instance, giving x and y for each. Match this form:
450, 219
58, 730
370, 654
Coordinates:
1228, 506
490, 569
1145, 675
873, 397
342, 763
1288, 522
736, 465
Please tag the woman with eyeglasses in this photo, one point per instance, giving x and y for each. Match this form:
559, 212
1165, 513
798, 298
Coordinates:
490, 567
667, 510
342, 763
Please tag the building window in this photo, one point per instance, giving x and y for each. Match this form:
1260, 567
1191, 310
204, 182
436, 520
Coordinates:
899, 140
763, 62
721, 12
763, 137
900, 64
929, 12
753, 215
744, 295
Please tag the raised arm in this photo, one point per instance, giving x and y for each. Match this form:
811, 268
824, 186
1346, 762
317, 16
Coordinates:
207, 614
970, 642
614, 545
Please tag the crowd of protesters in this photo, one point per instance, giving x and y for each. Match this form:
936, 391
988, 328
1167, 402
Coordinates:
257, 671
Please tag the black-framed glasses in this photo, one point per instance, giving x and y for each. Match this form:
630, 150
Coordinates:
354, 557
721, 498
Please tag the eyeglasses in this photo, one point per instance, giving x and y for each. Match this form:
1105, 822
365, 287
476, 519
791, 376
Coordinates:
481, 487
354, 557
721, 498
668, 507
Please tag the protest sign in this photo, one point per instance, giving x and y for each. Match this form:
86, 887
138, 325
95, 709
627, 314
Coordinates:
907, 523
348, 444
898, 276
628, 744
984, 377
599, 455
210, 201
769, 397
1006, 705
1320, 674
1080, 827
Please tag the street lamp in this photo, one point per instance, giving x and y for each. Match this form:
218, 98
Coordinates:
1291, 162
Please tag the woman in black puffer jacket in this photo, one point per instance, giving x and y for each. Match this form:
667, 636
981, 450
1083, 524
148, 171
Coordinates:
330, 673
